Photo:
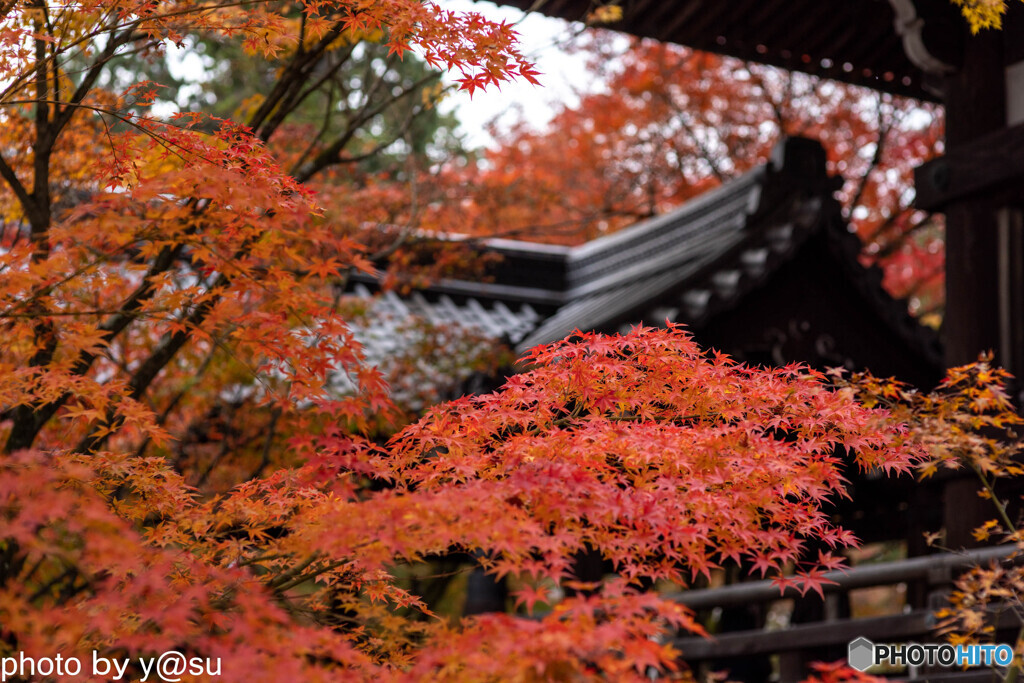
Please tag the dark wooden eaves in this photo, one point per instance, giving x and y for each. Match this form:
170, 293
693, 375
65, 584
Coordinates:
852, 42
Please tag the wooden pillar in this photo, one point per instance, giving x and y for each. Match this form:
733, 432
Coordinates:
976, 226
975, 105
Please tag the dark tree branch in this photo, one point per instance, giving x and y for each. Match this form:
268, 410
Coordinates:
324, 125
8, 174
293, 76
332, 154
295, 98
883, 133
894, 245
30, 419
275, 415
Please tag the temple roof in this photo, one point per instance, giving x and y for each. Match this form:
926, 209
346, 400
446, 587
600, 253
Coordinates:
691, 265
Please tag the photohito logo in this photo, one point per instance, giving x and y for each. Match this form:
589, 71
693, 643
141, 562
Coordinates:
862, 654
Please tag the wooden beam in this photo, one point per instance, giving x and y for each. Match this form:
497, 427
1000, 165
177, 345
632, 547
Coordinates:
682, 15
934, 569
918, 625
991, 165
898, 627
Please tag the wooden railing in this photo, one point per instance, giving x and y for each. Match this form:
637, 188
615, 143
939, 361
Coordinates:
796, 643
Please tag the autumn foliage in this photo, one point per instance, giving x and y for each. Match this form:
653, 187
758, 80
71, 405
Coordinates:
982, 14
665, 461
195, 450
969, 423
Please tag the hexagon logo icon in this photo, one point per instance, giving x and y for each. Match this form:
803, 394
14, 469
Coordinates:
861, 654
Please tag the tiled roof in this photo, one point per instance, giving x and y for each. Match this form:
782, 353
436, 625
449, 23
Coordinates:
686, 265
511, 322
611, 276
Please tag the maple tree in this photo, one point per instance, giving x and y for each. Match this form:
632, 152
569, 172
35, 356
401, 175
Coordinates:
640, 447
968, 423
116, 217
193, 450
665, 123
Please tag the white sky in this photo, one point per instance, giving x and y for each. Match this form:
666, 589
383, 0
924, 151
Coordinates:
562, 74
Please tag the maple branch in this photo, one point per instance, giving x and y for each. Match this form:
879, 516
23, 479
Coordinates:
332, 154
165, 351
45, 588
275, 415
297, 579
38, 209
876, 159
77, 314
222, 452
39, 216
286, 576
14, 563
14, 84
1000, 505
151, 367
296, 98
37, 203
172, 404
325, 123
130, 120
8, 174
406, 230
892, 246
264, 557
291, 80
29, 419
91, 76
381, 146
329, 156
334, 68
41, 75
